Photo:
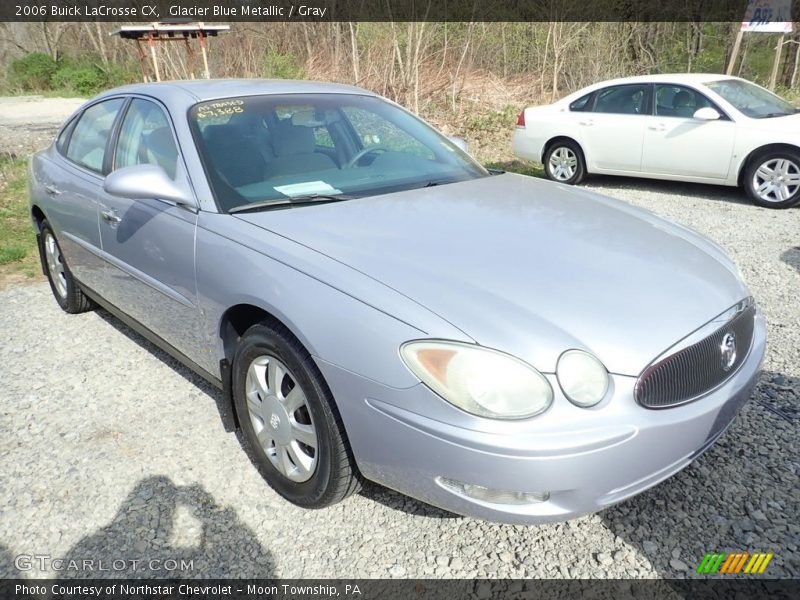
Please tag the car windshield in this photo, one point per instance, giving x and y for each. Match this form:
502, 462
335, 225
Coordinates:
751, 100
338, 146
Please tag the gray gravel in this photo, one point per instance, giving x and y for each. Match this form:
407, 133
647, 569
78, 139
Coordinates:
111, 450
28, 123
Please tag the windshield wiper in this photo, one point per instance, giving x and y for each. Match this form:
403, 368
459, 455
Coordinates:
775, 114
439, 182
292, 201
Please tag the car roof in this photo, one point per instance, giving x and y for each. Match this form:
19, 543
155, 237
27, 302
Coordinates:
689, 78
200, 90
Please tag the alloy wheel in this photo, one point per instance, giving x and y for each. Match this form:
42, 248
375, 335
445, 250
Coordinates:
563, 164
281, 418
776, 180
55, 264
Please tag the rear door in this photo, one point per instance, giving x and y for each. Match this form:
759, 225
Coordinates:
612, 133
72, 179
677, 144
149, 243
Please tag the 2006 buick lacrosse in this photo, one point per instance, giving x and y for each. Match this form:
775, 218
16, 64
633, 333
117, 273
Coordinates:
375, 304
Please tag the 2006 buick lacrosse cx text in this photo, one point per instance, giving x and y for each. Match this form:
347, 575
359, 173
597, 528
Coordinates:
376, 305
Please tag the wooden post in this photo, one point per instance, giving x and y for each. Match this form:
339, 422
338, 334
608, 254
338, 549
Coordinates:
142, 59
202, 38
735, 52
153, 55
189, 54
773, 80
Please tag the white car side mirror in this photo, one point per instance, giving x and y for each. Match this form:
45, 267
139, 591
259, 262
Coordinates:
706, 114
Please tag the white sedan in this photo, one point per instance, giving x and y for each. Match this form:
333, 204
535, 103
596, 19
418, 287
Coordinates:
692, 127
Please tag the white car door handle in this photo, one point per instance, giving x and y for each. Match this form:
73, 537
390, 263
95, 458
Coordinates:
659, 127
586, 123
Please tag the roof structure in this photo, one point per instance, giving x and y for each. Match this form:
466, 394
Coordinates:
153, 33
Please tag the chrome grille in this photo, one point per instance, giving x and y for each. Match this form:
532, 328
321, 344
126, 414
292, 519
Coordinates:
699, 368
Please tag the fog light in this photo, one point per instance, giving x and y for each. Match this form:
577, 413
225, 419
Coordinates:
484, 494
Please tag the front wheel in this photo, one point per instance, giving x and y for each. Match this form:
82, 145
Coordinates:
773, 180
563, 162
290, 427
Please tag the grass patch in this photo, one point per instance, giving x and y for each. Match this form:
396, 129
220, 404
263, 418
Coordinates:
18, 254
517, 166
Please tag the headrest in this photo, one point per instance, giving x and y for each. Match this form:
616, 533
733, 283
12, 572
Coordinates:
682, 98
292, 139
215, 135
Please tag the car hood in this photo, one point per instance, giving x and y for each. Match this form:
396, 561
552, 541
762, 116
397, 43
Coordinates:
787, 124
529, 267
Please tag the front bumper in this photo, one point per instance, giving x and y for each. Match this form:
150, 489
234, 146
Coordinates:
585, 459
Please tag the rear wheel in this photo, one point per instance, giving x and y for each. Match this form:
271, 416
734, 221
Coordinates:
290, 427
563, 162
65, 289
772, 180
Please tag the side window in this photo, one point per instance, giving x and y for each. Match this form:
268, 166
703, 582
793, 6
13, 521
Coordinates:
61, 142
582, 104
322, 137
146, 138
87, 146
623, 100
679, 101
373, 130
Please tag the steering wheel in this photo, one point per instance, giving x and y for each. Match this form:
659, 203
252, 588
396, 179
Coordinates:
362, 153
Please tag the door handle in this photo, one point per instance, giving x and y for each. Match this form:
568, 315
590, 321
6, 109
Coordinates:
52, 190
586, 123
110, 217
660, 127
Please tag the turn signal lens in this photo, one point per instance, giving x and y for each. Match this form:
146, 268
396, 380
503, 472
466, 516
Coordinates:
582, 377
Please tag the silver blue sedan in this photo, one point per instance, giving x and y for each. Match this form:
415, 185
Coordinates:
376, 305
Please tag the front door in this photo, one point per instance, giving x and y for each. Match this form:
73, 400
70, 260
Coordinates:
149, 243
675, 143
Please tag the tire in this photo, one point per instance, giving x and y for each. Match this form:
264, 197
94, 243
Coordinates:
772, 179
564, 162
66, 290
275, 420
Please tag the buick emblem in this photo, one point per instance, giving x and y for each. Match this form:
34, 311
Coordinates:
275, 421
728, 351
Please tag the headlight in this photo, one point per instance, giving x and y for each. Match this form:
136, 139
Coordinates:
478, 380
582, 377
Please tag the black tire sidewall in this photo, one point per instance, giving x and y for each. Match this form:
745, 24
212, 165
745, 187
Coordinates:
260, 340
580, 171
753, 166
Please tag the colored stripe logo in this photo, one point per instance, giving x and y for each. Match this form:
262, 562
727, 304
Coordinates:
734, 563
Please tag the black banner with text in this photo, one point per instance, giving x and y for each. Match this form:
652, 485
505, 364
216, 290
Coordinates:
145, 11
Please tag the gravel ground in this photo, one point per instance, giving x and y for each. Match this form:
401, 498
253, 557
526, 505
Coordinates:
109, 450
28, 123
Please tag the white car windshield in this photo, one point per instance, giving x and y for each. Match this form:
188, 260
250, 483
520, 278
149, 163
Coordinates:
279, 149
751, 100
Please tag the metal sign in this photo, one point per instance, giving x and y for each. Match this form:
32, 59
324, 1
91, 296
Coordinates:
768, 16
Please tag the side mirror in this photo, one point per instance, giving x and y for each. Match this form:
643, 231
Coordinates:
146, 181
460, 142
706, 114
